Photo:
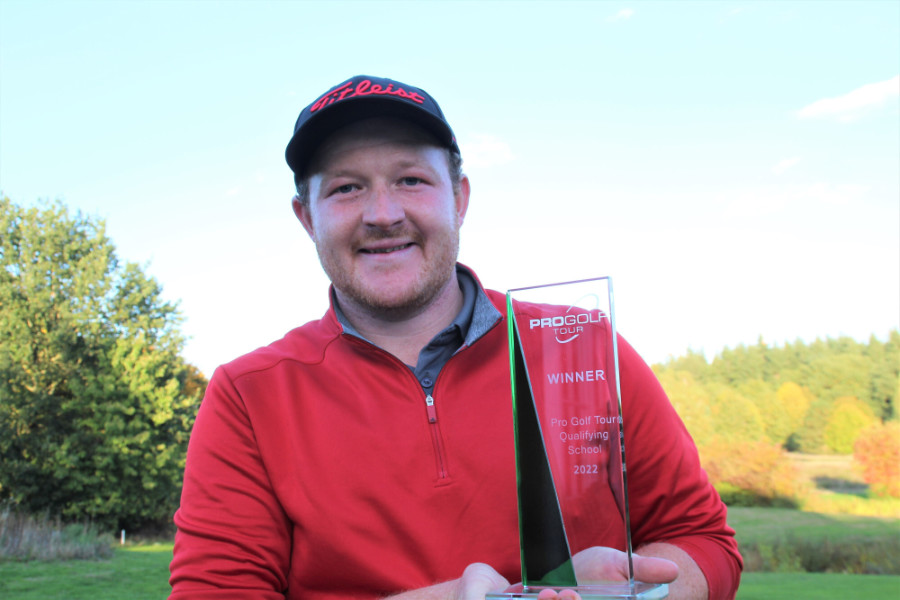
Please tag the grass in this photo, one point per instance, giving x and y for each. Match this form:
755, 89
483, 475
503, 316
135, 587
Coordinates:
778, 539
786, 538
141, 573
817, 586
136, 573
755, 525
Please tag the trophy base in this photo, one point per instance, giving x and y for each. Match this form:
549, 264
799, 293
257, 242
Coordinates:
607, 591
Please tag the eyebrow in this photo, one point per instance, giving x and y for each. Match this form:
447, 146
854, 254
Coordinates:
350, 171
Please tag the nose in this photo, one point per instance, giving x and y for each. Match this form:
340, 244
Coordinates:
383, 209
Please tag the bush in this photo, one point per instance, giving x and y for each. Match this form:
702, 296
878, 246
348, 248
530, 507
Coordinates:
862, 556
877, 451
24, 537
735, 496
750, 473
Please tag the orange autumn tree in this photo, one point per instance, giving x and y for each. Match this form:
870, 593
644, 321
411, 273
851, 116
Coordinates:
877, 452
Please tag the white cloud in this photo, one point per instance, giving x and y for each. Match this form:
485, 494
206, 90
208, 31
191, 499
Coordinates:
785, 164
485, 151
849, 106
625, 13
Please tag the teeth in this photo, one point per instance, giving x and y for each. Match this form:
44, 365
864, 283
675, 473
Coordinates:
387, 250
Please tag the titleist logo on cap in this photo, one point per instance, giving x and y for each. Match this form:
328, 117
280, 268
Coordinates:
363, 88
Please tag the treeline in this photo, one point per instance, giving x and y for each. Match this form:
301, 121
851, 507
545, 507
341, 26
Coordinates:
96, 402
751, 403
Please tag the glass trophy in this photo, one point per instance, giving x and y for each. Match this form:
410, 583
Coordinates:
570, 449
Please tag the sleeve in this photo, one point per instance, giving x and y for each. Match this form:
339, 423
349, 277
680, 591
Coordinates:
670, 497
233, 538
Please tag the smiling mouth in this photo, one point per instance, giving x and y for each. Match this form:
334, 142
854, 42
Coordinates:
385, 250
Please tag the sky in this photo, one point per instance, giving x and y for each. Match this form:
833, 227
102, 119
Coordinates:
734, 167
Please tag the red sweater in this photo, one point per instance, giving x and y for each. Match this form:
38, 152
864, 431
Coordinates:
315, 470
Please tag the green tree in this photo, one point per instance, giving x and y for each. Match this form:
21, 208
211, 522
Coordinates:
693, 363
96, 403
885, 379
810, 436
736, 417
765, 397
692, 403
793, 403
848, 418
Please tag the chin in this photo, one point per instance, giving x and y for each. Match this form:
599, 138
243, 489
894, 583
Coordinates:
394, 303
393, 299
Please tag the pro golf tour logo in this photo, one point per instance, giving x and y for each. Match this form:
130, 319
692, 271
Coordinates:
569, 326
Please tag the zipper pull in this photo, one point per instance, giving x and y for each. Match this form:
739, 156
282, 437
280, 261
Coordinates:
430, 410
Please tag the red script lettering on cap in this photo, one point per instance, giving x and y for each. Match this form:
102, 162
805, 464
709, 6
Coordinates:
363, 88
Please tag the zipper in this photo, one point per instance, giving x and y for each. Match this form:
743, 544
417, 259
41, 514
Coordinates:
431, 413
440, 457
430, 410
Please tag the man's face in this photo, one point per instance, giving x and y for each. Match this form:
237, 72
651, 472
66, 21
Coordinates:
384, 216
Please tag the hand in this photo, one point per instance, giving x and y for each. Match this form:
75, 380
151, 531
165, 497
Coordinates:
477, 580
547, 594
599, 564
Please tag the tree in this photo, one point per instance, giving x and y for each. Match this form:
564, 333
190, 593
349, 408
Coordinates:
793, 403
848, 418
96, 403
736, 418
885, 379
877, 451
692, 403
750, 473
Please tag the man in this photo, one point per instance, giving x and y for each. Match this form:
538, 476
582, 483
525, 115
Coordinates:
370, 453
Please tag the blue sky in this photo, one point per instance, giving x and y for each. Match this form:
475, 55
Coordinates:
734, 166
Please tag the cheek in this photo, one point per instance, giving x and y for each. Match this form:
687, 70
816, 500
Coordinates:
441, 218
332, 228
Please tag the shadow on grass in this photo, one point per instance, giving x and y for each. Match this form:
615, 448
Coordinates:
841, 486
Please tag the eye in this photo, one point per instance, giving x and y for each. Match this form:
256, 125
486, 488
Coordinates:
344, 189
410, 181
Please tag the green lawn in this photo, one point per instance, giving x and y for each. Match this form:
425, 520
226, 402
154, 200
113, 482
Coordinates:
768, 524
137, 573
818, 586
141, 573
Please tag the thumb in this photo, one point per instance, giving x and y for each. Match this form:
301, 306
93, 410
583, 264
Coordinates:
477, 580
654, 570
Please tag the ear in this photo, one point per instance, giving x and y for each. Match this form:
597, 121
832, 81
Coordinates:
462, 199
303, 214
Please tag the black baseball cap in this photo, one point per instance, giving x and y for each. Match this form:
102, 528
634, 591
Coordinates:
363, 97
